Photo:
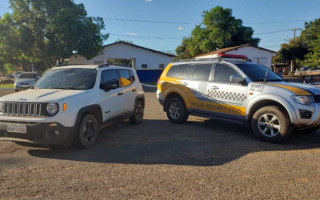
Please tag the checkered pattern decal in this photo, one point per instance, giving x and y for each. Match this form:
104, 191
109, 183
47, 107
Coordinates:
216, 94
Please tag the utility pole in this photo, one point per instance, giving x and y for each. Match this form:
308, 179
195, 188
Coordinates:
294, 37
295, 30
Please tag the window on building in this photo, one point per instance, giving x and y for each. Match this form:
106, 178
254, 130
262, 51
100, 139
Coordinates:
201, 72
222, 73
177, 71
125, 77
161, 66
144, 66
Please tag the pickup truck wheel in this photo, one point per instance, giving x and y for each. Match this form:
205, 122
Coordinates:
176, 110
137, 117
88, 131
270, 124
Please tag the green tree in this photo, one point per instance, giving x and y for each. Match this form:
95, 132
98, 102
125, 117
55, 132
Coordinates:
219, 30
295, 51
43, 32
311, 36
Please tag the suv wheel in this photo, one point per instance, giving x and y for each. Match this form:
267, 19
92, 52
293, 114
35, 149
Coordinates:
270, 124
137, 117
176, 110
88, 132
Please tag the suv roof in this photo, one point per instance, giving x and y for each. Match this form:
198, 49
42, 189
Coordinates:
93, 66
215, 60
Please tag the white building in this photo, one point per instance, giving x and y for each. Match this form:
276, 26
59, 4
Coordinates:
142, 58
255, 54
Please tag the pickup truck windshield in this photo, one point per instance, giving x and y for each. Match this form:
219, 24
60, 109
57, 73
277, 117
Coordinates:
68, 79
257, 73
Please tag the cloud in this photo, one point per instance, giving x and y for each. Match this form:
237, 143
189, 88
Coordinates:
148, 1
180, 28
131, 34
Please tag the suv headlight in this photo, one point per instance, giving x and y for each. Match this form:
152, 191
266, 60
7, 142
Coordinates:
52, 108
305, 100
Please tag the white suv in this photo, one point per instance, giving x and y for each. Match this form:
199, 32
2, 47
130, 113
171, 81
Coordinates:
70, 104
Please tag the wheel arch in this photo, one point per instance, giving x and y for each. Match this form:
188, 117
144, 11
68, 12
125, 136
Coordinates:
172, 95
91, 109
263, 102
140, 97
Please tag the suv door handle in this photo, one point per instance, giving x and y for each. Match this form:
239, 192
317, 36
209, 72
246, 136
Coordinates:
120, 93
134, 89
215, 87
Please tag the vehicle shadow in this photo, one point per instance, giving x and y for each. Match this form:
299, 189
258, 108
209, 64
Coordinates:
203, 143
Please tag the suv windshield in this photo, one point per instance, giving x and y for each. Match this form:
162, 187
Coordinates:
257, 73
28, 76
69, 79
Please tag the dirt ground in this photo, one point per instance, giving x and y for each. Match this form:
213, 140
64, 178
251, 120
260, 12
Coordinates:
202, 159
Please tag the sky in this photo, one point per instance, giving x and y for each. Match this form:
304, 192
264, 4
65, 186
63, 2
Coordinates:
161, 24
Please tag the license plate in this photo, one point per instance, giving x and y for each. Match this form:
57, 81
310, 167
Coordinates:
17, 128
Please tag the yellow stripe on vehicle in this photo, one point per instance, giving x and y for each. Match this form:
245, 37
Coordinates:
295, 90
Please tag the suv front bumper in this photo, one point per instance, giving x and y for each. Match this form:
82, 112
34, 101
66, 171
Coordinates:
40, 133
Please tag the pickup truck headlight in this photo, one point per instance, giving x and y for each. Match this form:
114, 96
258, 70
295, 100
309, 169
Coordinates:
304, 100
52, 108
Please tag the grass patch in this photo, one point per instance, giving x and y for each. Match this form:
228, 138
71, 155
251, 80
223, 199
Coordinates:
7, 86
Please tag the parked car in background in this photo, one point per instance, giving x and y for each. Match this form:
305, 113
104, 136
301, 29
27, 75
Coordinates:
26, 80
309, 68
70, 104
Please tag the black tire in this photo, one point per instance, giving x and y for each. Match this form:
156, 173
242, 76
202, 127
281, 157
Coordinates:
88, 132
271, 124
137, 117
176, 110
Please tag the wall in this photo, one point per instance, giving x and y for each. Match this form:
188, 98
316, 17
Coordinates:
125, 51
255, 54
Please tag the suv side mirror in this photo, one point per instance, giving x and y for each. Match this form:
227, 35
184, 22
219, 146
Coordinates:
236, 79
110, 86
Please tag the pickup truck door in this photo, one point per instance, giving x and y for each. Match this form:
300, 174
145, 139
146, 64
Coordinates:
197, 79
228, 98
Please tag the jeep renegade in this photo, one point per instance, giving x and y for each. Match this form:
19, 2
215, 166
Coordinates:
70, 104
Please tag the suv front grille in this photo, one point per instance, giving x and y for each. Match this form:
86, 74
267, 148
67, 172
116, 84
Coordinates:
317, 98
21, 109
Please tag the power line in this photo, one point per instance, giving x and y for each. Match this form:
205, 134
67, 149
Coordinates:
181, 22
146, 37
285, 30
148, 21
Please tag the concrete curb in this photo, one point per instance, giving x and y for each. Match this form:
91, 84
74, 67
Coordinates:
151, 86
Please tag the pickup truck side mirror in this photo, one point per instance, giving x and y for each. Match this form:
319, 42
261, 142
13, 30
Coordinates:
236, 79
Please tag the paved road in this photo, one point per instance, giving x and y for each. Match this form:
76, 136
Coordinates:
202, 159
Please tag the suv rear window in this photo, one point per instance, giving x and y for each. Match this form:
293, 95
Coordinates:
177, 71
125, 77
201, 72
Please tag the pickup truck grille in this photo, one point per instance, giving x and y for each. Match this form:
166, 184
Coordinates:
21, 109
317, 98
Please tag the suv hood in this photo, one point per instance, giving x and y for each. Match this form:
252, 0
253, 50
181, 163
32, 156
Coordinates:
309, 88
41, 95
